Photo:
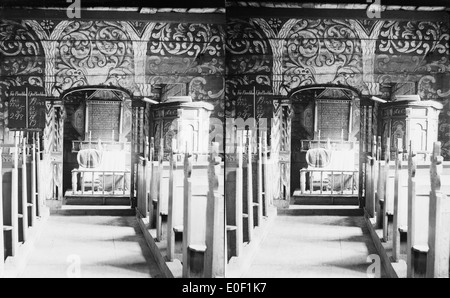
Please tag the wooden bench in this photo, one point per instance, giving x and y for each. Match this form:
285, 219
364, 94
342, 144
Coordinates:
20, 185
203, 218
428, 218
2, 239
240, 175
196, 222
176, 205
234, 195
420, 210
10, 173
193, 200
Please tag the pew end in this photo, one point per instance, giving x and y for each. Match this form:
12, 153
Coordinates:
196, 260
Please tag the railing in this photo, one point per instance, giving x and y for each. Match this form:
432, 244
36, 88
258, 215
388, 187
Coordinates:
328, 144
104, 145
327, 180
96, 180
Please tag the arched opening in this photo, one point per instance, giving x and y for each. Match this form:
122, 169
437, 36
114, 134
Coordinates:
96, 144
325, 135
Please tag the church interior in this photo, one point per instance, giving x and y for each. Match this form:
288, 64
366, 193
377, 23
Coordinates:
227, 139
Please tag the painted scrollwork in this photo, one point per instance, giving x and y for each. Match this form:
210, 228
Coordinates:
192, 54
321, 52
244, 38
249, 51
249, 60
94, 53
414, 52
198, 90
185, 49
22, 56
413, 37
418, 52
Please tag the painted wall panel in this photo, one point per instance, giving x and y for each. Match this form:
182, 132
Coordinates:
362, 53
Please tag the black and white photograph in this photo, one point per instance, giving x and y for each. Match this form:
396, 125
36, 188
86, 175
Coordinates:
242, 142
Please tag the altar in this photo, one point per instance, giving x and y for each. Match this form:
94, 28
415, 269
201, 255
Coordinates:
98, 131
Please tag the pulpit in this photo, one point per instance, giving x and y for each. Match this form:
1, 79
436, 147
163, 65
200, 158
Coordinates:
186, 121
413, 121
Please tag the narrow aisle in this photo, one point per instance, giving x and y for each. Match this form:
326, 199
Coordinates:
314, 246
104, 246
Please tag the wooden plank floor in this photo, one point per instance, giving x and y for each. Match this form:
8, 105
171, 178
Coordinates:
314, 246
106, 246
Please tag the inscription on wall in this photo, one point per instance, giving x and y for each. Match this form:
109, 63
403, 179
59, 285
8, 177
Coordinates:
104, 117
245, 104
333, 119
26, 108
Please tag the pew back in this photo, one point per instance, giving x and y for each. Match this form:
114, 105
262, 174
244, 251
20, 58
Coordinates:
423, 186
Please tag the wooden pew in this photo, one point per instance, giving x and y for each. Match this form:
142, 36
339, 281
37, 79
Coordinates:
142, 166
380, 187
23, 192
170, 216
248, 203
413, 243
142, 189
19, 185
396, 170
215, 219
203, 218
33, 178
144, 176
400, 201
154, 190
162, 200
2, 240
149, 179
423, 210
237, 202
266, 175
377, 178
370, 185
233, 208
194, 219
197, 227
439, 220
238, 211
427, 215
417, 216
237, 208
230, 197
40, 172
15, 197
384, 201
10, 189
417, 230
175, 209
377, 183
187, 214
259, 187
